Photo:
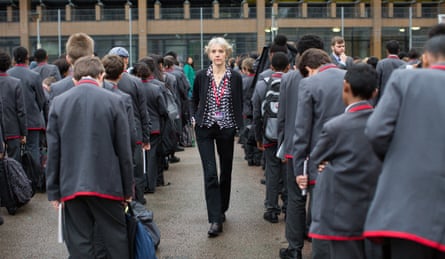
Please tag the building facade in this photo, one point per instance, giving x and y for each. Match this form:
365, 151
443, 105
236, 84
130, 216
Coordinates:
185, 26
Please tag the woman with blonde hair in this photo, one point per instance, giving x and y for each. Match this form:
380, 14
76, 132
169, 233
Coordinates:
217, 109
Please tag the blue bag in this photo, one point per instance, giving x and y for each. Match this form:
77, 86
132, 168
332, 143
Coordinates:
144, 246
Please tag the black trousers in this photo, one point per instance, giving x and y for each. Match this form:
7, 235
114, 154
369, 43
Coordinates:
395, 248
138, 173
217, 189
13, 149
154, 162
87, 214
296, 226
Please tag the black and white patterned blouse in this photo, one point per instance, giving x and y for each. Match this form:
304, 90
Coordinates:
218, 106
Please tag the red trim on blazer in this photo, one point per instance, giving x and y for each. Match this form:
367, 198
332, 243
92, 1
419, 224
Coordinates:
13, 137
277, 75
268, 145
100, 195
42, 63
145, 80
139, 143
326, 67
404, 235
3, 74
360, 108
250, 75
393, 56
336, 238
87, 81
288, 156
441, 67
21, 65
312, 182
34, 129
155, 132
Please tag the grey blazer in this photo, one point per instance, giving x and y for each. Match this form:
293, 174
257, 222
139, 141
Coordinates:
319, 99
384, 68
46, 70
345, 188
89, 150
32, 94
14, 113
60, 87
406, 130
288, 110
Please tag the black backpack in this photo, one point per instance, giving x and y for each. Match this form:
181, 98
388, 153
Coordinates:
269, 108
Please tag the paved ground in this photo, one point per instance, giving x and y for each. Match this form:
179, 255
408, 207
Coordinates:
179, 211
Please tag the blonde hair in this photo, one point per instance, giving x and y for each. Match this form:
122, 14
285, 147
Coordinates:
79, 45
221, 42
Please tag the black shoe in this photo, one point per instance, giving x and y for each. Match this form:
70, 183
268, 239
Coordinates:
263, 181
271, 217
223, 217
179, 149
174, 159
215, 229
285, 253
250, 163
1, 220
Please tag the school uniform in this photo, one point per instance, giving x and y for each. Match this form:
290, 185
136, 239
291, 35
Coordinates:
342, 65
132, 85
89, 167
46, 70
406, 133
296, 203
275, 169
14, 114
60, 87
384, 68
158, 113
319, 99
345, 188
34, 99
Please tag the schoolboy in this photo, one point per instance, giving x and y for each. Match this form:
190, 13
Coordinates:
348, 170
275, 170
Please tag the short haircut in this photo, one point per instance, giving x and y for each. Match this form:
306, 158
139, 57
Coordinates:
372, 61
309, 41
40, 55
393, 47
152, 66
413, 53
5, 61
221, 42
114, 66
88, 66
363, 80
247, 64
20, 55
274, 48
313, 58
63, 65
141, 70
436, 46
49, 80
337, 39
79, 45
280, 61
171, 53
436, 30
169, 61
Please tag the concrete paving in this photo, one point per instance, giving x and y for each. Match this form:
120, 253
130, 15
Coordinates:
180, 212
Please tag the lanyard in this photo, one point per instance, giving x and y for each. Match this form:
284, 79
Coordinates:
360, 108
218, 96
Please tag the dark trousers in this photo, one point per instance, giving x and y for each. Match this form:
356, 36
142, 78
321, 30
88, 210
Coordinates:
320, 248
405, 249
351, 249
33, 144
295, 213
217, 191
275, 180
138, 174
154, 162
13, 149
86, 214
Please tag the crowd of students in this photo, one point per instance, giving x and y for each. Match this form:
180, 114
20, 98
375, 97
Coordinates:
359, 137
350, 133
